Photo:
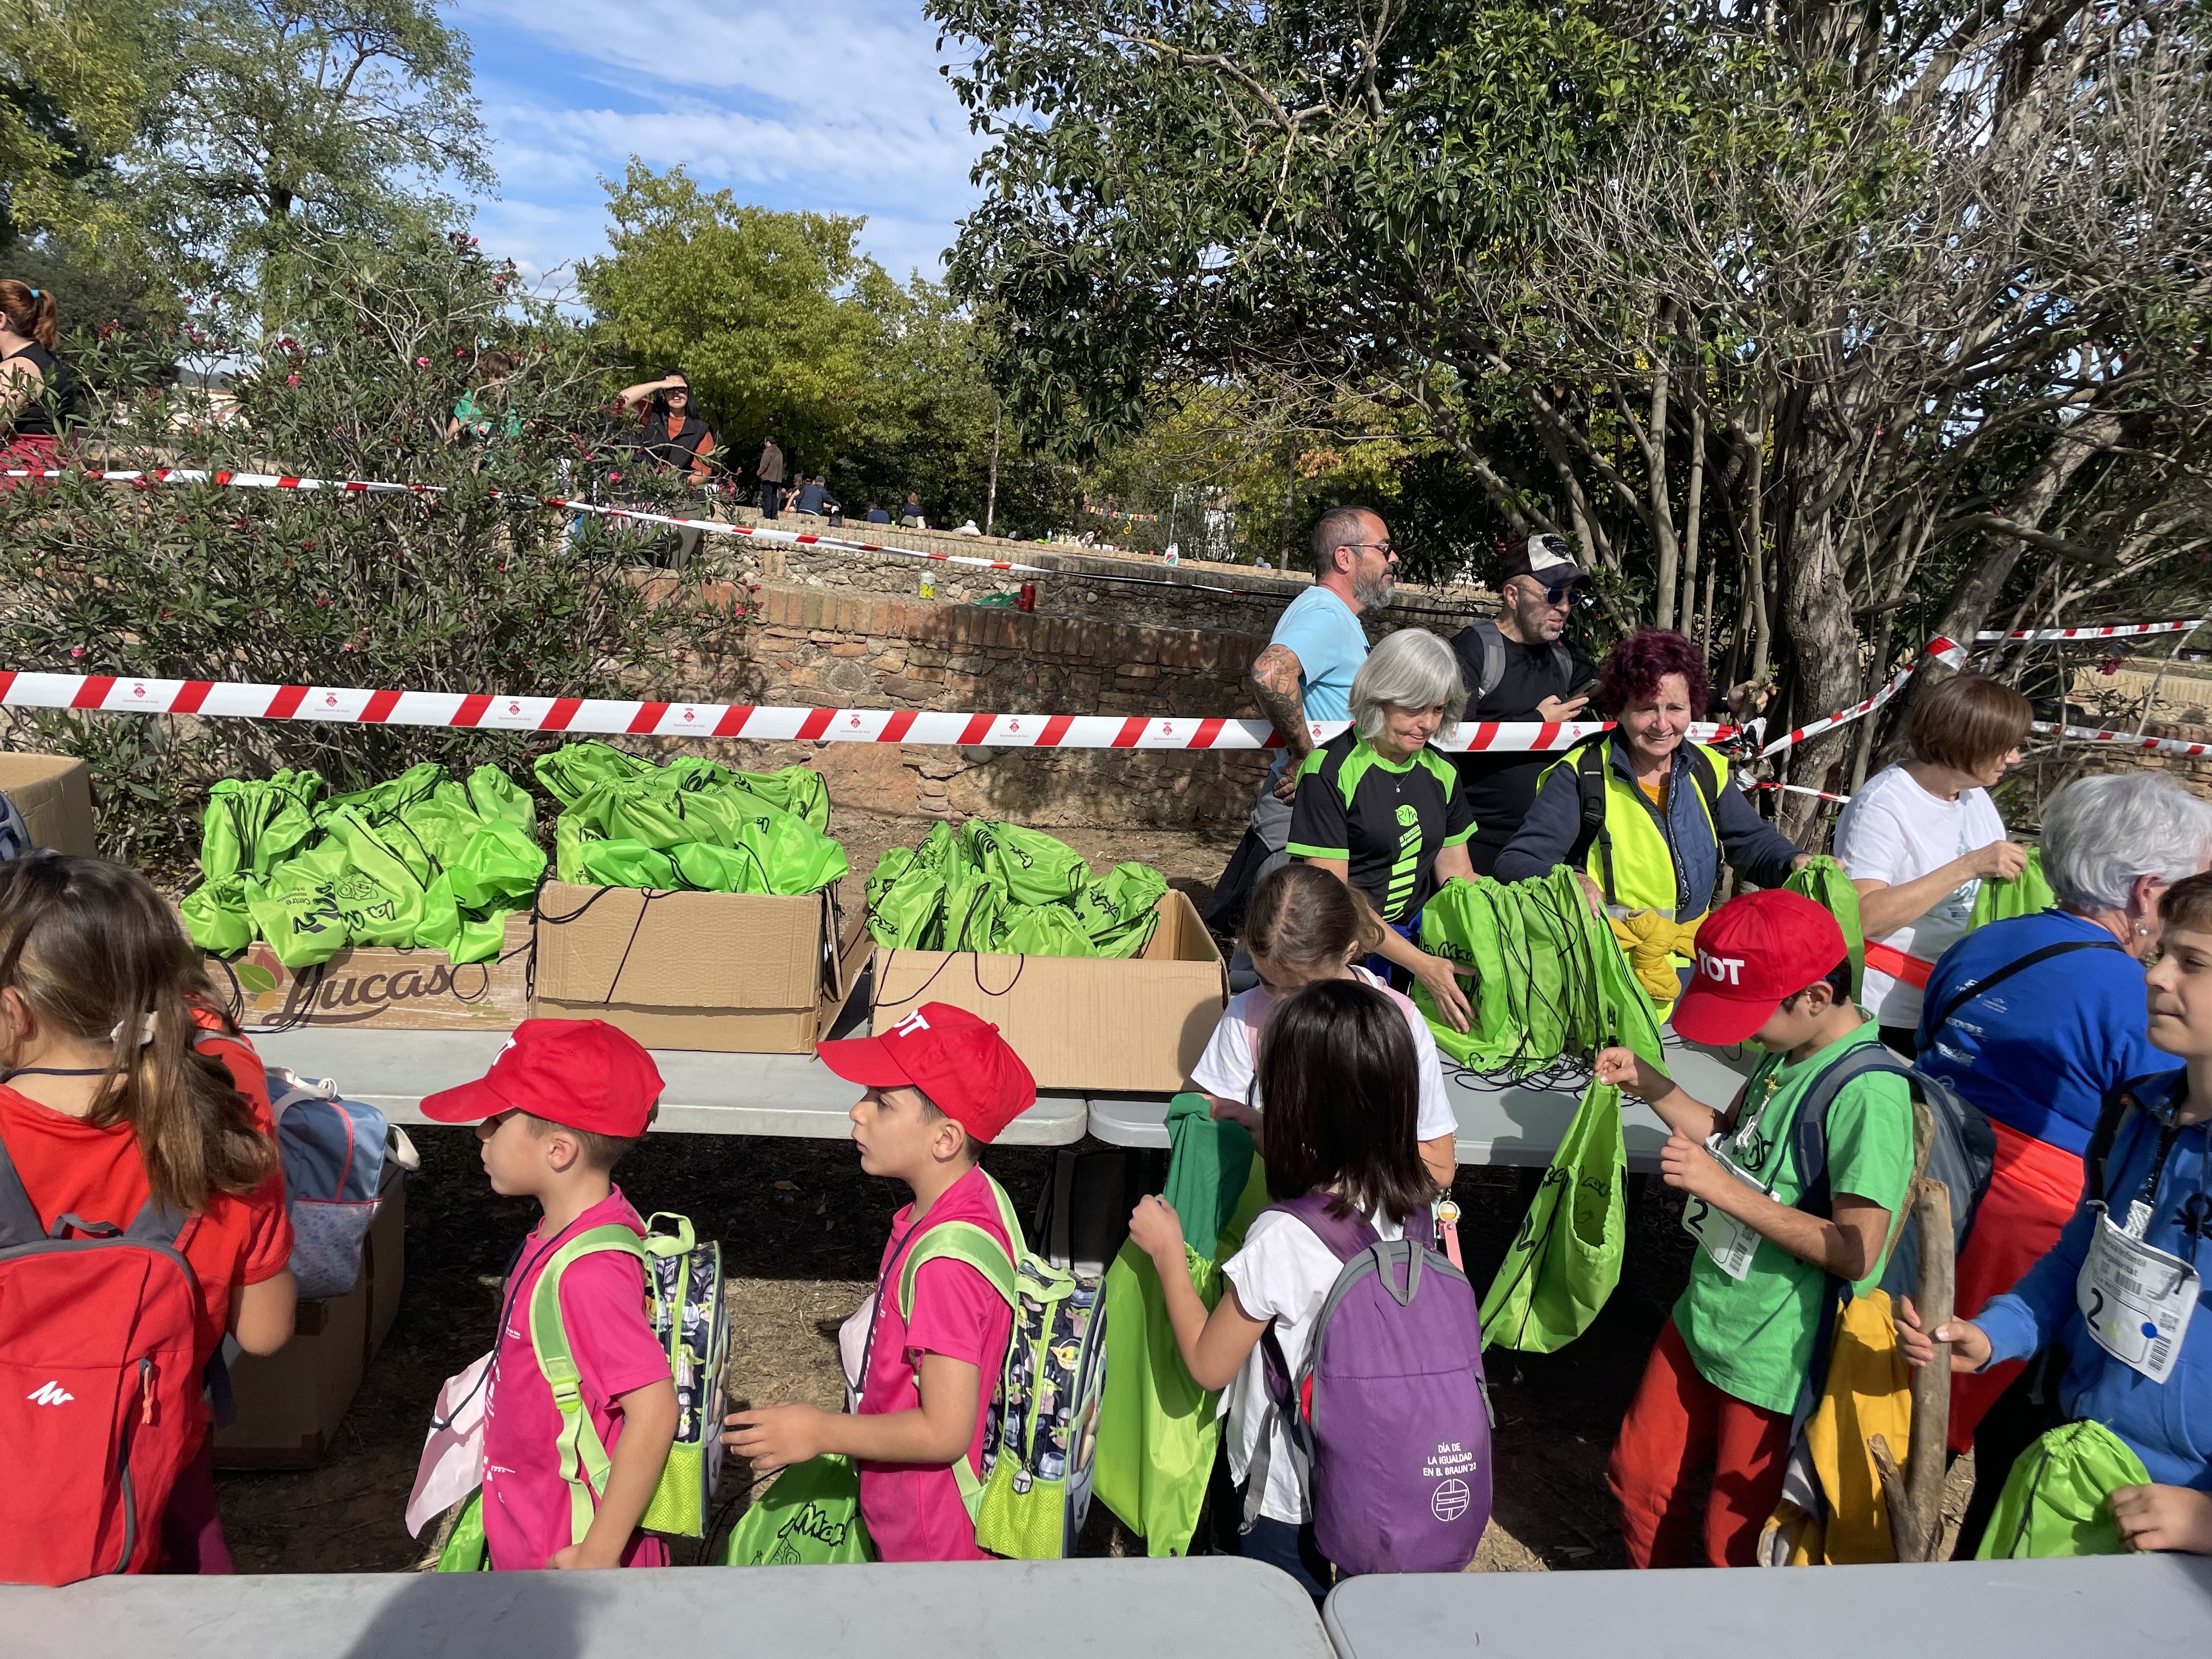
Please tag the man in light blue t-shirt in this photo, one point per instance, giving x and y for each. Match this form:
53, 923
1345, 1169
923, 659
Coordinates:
1305, 675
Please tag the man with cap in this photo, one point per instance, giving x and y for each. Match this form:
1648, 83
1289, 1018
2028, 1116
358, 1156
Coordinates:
941, 1086
562, 1102
1515, 668
1732, 1364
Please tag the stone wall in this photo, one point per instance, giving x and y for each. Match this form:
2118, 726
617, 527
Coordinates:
822, 646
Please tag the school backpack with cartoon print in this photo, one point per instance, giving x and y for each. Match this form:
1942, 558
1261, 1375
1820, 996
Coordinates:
1388, 1415
1042, 1430
684, 1303
99, 1398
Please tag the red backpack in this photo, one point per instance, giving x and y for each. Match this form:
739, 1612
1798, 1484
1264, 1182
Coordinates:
100, 1400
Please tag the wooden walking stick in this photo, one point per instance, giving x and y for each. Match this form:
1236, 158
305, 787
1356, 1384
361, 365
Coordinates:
1914, 1496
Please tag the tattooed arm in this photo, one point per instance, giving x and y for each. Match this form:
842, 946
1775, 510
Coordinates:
1275, 684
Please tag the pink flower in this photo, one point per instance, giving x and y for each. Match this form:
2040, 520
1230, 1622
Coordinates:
422, 363
291, 379
76, 651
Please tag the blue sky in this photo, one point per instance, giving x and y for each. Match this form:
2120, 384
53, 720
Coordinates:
835, 106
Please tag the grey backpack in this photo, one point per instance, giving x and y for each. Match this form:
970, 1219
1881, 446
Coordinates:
1489, 653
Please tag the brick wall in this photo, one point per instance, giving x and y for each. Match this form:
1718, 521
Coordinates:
844, 648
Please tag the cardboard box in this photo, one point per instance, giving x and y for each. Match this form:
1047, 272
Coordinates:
1078, 1022
54, 794
383, 989
291, 1403
736, 973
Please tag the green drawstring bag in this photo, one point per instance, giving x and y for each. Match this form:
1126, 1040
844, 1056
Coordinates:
1157, 1430
496, 797
974, 905
250, 828
398, 921
795, 789
1042, 930
1119, 912
809, 1516
794, 857
1459, 924
2026, 894
217, 918
907, 911
499, 862
623, 863
571, 771
416, 784
940, 849
1034, 867
464, 1549
2057, 1499
1826, 882
1565, 1261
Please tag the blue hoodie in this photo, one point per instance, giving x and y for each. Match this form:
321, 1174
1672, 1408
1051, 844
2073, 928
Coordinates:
2168, 1424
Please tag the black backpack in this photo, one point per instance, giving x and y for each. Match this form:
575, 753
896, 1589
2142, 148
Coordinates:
2123, 1103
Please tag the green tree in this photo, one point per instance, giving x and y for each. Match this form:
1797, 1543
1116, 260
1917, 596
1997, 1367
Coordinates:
77, 78
293, 118
756, 306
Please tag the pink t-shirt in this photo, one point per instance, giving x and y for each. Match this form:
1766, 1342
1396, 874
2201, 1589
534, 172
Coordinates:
914, 1511
525, 1500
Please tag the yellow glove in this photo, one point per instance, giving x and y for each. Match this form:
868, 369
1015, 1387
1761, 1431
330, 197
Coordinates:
1651, 942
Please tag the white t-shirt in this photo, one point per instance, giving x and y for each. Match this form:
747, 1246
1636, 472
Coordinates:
1284, 1273
1225, 1068
1895, 831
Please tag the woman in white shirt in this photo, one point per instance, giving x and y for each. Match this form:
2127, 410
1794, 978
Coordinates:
1922, 834
1302, 925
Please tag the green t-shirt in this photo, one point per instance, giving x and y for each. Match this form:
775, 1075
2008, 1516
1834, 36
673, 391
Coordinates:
474, 417
1752, 1337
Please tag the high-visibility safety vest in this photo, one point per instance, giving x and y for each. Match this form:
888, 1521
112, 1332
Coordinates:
1625, 844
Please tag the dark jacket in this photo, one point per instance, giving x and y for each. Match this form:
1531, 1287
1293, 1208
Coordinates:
771, 463
1755, 848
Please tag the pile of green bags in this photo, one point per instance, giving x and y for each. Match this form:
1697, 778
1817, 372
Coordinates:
421, 861
692, 825
993, 886
1548, 977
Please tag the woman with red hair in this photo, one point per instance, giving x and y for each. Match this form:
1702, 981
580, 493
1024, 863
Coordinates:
1644, 814
28, 427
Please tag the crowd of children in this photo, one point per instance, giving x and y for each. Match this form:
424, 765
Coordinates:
133, 1116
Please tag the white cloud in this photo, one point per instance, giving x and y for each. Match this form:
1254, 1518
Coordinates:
837, 106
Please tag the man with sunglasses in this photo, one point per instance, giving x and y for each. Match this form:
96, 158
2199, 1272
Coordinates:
1303, 676
1516, 667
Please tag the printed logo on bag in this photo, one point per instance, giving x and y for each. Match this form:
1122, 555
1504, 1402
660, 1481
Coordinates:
913, 1023
1446, 1466
1724, 971
1451, 1501
50, 1394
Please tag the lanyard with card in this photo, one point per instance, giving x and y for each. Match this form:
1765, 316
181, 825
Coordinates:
1729, 1242
2135, 1298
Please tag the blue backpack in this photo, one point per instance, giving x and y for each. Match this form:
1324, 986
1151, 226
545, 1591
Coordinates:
334, 1153
15, 839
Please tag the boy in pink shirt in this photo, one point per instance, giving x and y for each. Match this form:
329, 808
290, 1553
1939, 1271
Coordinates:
563, 1101
941, 1086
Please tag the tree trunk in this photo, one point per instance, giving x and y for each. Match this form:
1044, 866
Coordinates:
991, 498
1693, 521
1289, 507
1915, 1496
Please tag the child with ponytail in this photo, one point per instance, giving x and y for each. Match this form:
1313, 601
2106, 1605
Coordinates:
118, 1083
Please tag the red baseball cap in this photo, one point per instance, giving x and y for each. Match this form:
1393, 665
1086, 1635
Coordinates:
580, 1074
970, 1072
1752, 952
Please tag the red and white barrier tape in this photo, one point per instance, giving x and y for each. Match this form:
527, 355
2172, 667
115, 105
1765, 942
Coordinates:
1947, 650
1797, 789
2133, 740
2119, 630
353, 705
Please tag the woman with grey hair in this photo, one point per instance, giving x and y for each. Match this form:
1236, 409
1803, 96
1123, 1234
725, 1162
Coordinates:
1379, 809
2038, 1020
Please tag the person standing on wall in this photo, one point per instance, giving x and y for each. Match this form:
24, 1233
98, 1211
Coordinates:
1516, 667
30, 427
1305, 675
771, 477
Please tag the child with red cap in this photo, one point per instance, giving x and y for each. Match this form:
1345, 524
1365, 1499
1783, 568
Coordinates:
563, 1101
1725, 1377
940, 1085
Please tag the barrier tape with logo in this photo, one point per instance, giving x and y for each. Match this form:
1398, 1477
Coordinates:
2117, 631
353, 705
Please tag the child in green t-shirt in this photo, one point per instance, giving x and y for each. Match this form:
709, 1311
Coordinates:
1724, 1378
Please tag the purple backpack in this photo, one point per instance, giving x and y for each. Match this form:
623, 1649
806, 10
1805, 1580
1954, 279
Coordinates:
1390, 1414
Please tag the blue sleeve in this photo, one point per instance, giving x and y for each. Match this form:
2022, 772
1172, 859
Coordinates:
1306, 634
1757, 851
2020, 1323
1546, 835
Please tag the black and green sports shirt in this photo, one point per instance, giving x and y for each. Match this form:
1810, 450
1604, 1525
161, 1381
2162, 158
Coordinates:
1386, 820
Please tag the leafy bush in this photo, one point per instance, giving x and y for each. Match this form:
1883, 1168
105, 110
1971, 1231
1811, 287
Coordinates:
453, 589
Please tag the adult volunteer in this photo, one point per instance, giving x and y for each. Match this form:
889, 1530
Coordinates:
1919, 837
1305, 675
1660, 816
1381, 810
2038, 1020
1518, 668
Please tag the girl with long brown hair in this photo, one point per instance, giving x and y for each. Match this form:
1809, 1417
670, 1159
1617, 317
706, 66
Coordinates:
29, 427
119, 1082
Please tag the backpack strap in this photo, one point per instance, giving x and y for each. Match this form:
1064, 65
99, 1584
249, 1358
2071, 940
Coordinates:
19, 1217
583, 1456
1808, 1130
1591, 761
1489, 665
2123, 1103
1709, 785
1989, 981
